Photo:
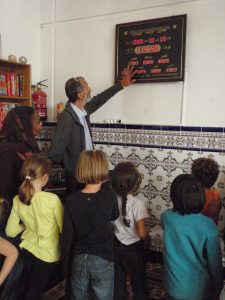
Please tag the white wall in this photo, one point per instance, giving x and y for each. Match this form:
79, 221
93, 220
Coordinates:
78, 38
21, 33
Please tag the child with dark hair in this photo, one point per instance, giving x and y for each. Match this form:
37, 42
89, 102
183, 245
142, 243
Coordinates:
206, 170
87, 237
192, 256
41, 214
130, 231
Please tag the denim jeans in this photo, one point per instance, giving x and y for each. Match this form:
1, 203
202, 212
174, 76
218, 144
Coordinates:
92, 272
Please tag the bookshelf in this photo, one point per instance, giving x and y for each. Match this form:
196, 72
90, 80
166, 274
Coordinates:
15, 83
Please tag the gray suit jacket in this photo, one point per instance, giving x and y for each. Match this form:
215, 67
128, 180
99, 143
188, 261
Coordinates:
69, 139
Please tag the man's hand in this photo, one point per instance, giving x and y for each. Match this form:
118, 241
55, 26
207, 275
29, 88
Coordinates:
128, 75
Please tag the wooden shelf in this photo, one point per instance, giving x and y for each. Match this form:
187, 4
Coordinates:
14, 98
25, 71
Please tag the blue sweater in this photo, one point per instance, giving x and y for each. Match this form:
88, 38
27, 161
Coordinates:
192, 257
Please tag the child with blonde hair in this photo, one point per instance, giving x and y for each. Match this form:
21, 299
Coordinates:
87, 238
41, 214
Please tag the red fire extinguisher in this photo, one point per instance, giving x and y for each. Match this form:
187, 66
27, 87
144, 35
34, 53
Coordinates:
39, 98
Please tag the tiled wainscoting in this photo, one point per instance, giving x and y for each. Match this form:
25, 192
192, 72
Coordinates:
160, 153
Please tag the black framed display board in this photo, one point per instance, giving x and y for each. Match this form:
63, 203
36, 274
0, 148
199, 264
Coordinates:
155, 48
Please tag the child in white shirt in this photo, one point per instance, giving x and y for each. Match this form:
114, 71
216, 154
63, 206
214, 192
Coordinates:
129, 230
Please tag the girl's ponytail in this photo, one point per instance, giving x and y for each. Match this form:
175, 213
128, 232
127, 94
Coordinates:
34, 167
126, 180
124, 209
26, 191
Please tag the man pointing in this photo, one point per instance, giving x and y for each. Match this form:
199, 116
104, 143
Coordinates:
73, 130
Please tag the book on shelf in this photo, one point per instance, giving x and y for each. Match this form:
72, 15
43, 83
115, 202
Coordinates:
3, 85
20, 84
8, 83
11, 84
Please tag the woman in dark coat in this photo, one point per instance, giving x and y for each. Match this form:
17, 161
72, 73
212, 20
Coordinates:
20, 127
17, 142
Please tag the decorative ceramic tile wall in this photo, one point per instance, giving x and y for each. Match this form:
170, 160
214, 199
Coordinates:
160, 153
